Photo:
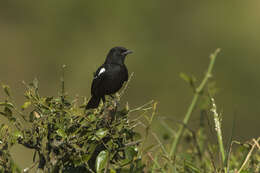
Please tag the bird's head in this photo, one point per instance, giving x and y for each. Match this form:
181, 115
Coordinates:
117, 55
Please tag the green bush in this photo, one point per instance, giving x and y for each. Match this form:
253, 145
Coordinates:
67, 138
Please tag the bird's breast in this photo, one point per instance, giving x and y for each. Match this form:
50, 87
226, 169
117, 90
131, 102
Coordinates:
114, 79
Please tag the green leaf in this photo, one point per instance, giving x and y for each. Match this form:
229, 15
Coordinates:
6, 90
130, 153
101, 133
31, 117
90, 151
112, 171
77, 161
101, 161
137, 166
4, 129
26, 105
120, 127
18, 134
92, 117
7, 104
189, 79
189, 167
8, 114
185, 77
245, 171
61, 133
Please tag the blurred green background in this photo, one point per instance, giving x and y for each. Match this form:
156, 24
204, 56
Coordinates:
168, 37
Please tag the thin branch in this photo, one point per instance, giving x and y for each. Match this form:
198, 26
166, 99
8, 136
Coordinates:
156, 163
25, 170
126, 85
249, 154
143, 107
193, 103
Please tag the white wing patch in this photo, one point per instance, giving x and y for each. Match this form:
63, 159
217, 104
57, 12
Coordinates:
102, 70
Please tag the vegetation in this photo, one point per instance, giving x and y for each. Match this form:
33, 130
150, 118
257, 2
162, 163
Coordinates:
67, 138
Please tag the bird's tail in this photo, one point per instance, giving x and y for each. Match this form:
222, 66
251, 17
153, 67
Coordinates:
93, 102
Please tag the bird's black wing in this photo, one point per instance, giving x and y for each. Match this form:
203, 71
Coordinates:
108, 79
125, 72
98, 78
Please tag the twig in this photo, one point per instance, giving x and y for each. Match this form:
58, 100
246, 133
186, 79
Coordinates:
249, 154
194, 136
143, 107
167, 127
89, 169
229, 144
256, 143
25, 170
156, 163
147, 129
211, 158
161, 145
229, 154
63, 81
134, 143
126, 85
194, 102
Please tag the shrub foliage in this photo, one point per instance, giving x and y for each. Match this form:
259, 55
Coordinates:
67, 138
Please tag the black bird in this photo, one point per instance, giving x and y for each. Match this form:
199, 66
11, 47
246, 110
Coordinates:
109, 77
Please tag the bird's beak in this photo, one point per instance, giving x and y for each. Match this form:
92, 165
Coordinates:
127, 52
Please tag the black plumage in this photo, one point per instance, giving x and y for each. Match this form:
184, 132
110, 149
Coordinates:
109, 77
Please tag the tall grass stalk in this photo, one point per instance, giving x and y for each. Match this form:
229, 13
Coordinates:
217, 121
197, 93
